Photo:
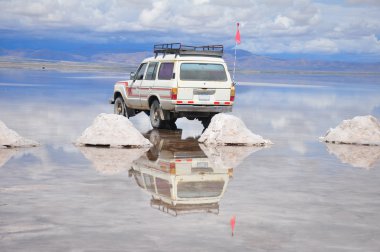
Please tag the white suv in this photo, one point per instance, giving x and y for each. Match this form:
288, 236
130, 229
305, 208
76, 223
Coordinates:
179, 81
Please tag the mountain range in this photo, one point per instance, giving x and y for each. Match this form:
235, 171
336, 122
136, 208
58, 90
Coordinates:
245, 61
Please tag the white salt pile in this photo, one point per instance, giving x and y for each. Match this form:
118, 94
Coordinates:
363, 130
10, 139
112, 161
229, 130
113, 131
355, 155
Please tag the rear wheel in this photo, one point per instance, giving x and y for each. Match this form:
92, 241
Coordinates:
153, 153
119, 106
155, 118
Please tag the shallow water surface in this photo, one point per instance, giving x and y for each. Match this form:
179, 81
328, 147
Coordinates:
297, 195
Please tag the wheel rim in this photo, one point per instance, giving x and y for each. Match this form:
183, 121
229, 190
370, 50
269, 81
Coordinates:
119, 108
156, 115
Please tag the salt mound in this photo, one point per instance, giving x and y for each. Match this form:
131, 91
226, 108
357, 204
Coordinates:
114, 131
355, 155
364, 130
229, 130
10, 139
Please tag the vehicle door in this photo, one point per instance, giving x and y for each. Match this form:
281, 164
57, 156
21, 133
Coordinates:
148, 83
133, 91
165, 81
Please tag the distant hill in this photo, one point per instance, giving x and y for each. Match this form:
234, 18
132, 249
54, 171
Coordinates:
246, 61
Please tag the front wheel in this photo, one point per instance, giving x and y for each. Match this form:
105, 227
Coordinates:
119, 107
155, 118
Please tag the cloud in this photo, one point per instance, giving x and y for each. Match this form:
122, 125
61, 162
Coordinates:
272, 26
365, 2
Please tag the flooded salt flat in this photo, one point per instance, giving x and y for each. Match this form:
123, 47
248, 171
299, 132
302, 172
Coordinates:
297, 195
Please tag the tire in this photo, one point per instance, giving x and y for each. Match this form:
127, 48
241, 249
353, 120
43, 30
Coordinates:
154, 151
155, 119
119, 106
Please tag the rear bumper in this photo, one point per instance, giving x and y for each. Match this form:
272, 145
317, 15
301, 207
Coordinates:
202, 108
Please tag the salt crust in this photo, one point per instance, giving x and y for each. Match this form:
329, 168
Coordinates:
113, 131
361, 130
227, 129
11, 139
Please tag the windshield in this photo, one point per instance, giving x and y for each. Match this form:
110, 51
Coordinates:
203, 72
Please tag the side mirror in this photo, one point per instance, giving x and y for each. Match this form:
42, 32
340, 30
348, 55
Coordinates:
132, 75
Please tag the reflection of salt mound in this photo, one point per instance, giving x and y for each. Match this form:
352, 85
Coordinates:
363, 130
229, 130
355, 155
228, 156
111, 161
114, 131
9, 138
6, 155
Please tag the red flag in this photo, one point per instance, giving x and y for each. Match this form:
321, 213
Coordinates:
237, 36
232, 223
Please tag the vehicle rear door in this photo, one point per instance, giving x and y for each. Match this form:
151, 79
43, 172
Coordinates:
204, 83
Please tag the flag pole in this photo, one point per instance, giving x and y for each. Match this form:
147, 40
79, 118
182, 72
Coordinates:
237, 41
233, 73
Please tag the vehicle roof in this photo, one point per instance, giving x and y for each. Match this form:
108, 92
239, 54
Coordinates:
173, 57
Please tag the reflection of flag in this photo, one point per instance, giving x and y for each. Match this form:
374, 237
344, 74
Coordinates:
232, 222
237, 36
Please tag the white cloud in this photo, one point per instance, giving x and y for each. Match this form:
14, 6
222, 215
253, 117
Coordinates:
267, 26
370, 2
321, 45
283, 22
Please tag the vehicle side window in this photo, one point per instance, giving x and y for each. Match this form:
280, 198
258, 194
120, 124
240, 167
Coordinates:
140, 73
151, 72
166, 71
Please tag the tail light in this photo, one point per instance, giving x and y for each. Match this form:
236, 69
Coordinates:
172, 168
173, 93
232, 95
230, 172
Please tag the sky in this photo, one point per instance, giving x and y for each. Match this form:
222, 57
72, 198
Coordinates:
268, 27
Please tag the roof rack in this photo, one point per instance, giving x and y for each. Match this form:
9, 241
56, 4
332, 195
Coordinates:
179, 49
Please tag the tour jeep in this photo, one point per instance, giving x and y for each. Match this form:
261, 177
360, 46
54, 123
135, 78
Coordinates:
179, 81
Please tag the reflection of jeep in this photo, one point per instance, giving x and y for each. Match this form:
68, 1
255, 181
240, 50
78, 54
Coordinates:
180, 81
180, 179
